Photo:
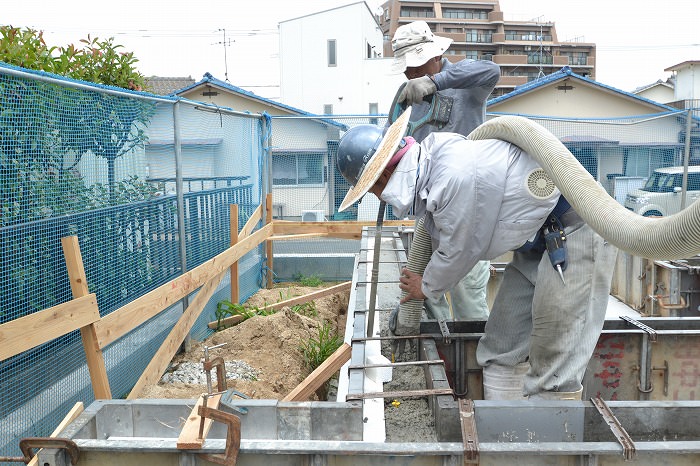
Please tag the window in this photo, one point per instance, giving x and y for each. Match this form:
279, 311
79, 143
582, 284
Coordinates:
372, 51
328, 109
459, 13
373, 110
292, 169
537, 57
332, 60
417, 12
576, 58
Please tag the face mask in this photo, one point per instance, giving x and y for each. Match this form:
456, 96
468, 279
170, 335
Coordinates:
400, 189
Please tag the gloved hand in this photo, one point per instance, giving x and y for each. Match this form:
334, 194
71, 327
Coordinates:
415, 89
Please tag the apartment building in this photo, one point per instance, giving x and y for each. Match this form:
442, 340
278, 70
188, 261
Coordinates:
525, 50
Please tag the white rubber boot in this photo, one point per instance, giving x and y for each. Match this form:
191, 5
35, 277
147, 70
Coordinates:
557, 395
504, 382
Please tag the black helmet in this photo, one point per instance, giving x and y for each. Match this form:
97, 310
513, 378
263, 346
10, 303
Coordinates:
356, 148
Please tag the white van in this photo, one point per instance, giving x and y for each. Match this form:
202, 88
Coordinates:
661, 195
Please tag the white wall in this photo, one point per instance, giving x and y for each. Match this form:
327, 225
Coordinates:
661, 93
688, 82
356, 81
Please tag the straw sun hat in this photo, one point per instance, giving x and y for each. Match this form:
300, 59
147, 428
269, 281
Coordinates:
379, 161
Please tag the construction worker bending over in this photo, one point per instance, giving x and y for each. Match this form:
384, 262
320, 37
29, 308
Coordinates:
464, 86
477, 203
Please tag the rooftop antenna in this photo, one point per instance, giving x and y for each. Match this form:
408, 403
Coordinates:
225, 43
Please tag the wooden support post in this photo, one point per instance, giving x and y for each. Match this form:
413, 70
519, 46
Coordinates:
233, 222
268, 244
322, 373
79, 288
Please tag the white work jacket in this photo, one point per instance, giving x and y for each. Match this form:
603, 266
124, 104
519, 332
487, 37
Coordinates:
475, 200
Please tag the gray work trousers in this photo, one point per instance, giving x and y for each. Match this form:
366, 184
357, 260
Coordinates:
467, 298
536, 317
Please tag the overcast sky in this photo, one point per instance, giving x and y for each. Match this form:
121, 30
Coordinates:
238, 39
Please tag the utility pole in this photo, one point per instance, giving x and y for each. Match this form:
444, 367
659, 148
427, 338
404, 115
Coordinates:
225, 43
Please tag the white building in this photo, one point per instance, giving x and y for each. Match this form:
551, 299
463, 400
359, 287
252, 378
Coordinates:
687, 77
331, 63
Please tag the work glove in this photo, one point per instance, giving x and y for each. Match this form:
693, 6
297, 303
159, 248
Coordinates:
415, 89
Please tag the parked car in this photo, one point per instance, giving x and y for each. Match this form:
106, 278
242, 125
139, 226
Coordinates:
661, 195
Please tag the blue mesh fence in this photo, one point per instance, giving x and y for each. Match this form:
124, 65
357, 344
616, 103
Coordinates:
101, 164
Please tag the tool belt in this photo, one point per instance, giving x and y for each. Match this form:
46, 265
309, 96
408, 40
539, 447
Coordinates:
563, 216
570, 219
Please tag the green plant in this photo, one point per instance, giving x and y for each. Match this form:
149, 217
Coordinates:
226, 308
317, 349
313, 280
306, 309
99, 61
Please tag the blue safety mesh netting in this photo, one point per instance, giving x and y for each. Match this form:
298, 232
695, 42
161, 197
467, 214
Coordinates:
101, 164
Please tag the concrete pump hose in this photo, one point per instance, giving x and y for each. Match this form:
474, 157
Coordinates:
674, 237
418, 258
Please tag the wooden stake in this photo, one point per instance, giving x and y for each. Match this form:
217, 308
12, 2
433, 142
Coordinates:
93, 351
268, 244
233, 226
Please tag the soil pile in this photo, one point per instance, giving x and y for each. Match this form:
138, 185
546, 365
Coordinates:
269, 345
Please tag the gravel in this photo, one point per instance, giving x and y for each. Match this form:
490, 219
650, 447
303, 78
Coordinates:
193, 373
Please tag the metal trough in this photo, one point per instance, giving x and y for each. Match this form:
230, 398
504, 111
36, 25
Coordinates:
652, 427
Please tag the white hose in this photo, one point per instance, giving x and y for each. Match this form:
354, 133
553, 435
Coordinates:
674, 237
418, 258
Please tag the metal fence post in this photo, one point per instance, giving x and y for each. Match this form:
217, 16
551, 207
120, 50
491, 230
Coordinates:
179, 189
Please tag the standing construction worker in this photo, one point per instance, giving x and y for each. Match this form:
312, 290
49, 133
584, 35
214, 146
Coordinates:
480, 199
465, 86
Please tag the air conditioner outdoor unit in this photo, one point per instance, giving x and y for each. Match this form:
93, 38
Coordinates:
312, 216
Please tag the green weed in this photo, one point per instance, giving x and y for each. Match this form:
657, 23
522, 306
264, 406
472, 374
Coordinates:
307, 309
317, 349
226, 308
313, 280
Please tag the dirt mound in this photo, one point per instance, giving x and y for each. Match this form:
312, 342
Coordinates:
270, 344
